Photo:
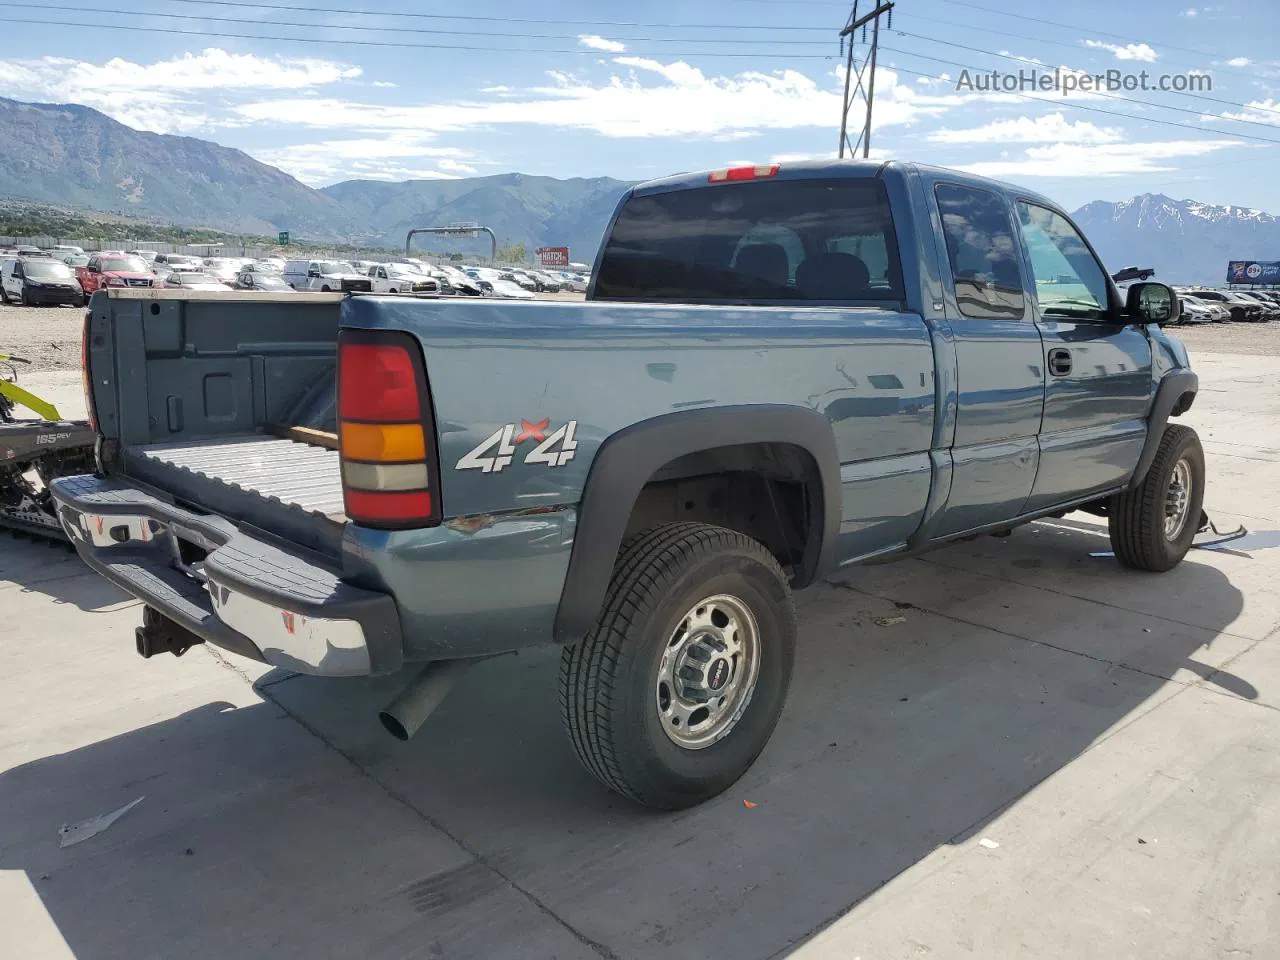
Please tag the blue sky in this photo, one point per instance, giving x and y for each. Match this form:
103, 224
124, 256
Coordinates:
644, 89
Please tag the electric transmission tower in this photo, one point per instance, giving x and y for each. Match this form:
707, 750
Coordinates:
854, 88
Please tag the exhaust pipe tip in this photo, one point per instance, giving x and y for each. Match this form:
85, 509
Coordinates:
393, 726
409, 710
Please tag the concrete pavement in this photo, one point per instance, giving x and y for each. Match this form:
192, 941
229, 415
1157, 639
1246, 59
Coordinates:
1112, 737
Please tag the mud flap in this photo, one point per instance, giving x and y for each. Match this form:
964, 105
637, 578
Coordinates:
1208, 535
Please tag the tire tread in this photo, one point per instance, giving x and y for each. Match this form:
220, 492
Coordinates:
645, 565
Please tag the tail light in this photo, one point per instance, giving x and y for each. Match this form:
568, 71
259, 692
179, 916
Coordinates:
386, 430
733, 174
86, 374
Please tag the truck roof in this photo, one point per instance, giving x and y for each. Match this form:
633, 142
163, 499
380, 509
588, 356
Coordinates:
828, 169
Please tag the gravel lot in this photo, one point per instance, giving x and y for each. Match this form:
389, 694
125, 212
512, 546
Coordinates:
47, 336
1246, 339
50, 336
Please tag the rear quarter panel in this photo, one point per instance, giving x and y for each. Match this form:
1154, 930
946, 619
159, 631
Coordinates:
606, 366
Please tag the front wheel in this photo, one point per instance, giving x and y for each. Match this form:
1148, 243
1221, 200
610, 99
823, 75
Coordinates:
679, 686
1153, 525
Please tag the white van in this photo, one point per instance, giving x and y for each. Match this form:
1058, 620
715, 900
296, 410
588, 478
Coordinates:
327, 276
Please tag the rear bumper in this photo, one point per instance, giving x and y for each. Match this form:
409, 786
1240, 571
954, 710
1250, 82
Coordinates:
248, 596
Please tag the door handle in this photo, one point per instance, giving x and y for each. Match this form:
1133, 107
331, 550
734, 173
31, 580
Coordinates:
1059, 362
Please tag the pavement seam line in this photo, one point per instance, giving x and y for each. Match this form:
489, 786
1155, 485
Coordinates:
595, 946
1073, 596
995, 811
1017, 636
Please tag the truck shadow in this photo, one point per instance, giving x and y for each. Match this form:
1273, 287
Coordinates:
928, 697
53, 569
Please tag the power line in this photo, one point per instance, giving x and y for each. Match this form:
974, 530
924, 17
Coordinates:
476, 18
386, 43
1081, 106
1071, 26
1060, 43
1153, 103
426, 30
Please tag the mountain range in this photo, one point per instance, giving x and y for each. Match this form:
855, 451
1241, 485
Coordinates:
72, 155
1184, 240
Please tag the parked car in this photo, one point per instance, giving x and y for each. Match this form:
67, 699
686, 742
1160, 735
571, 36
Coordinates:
270, 263
114, 269
264, 281
1270, 310
841, 409
461, 283
1199, 311
174, 262
37, 281
325, 276
484, 284
188, 280
1241, 311
148, 255
58, 248
573, 282
400, 278
225, 269
520, 278
549, 284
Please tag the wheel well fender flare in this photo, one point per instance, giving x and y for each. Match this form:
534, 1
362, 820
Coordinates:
1174, 396
627, 460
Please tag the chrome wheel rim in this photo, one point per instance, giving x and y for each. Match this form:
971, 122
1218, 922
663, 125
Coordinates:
708, 672
1177, 500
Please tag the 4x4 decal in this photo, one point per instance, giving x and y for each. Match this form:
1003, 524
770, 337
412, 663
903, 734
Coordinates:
495, 453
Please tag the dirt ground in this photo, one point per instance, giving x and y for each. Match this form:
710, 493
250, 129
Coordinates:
47, 336
50, 336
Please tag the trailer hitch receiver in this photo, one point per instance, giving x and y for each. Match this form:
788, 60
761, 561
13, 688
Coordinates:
159, 634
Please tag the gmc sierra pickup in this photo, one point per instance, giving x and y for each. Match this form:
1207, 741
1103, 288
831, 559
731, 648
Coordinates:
779, 372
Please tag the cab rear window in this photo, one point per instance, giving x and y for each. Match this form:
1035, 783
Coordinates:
759, 241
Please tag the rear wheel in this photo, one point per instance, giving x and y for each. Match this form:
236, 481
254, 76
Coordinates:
1153, 525
678, 687
4, 297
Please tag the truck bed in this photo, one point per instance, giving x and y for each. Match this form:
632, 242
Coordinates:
303, 477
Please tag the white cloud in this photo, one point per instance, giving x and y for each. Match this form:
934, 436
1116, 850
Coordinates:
1095, 160
1239, 62
1189, 12
159, 96
1047, 128
1255, 111
649, 99
594, 42
385, 84
1129, 51
407, 155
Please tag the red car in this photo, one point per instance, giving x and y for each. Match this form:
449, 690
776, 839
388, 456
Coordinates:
114, 269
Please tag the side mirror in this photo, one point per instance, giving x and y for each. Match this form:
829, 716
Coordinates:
313, 273
1152, 302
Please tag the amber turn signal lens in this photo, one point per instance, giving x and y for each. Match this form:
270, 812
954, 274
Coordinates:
383, 442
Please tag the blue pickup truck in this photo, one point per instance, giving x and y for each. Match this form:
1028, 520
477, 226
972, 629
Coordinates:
778, 373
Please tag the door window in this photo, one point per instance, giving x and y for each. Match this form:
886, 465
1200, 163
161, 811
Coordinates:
1069, 281
982, 252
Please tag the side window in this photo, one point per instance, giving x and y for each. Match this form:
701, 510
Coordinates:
982, 251
1069, 281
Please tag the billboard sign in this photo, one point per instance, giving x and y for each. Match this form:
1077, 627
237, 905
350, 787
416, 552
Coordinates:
553, 256
1253, 271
